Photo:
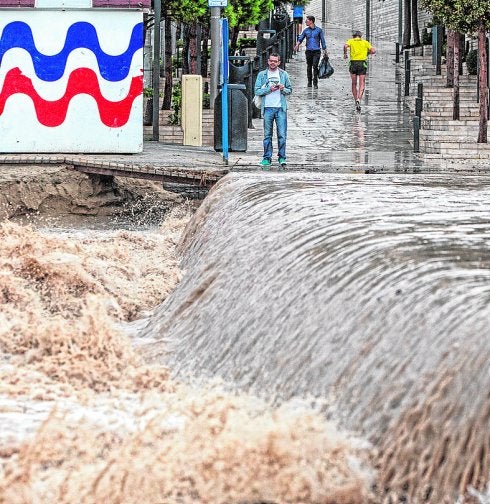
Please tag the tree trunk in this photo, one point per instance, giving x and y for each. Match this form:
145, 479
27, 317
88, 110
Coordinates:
192, 34
407, 24
167, 95
415, 24
451, 35
482, 82
204, 56
185, 50
462, 52
146, 23
234, 39
457, 47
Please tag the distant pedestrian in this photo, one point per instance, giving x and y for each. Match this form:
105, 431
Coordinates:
315, 42
298, 13
359, 50
273, 85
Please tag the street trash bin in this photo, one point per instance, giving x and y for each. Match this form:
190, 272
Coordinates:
237, 119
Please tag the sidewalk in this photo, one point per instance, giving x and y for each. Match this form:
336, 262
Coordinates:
325, 133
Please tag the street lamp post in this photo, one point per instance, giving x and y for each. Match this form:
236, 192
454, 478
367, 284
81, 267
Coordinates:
156, 70
215, 54
368, 19
400, 22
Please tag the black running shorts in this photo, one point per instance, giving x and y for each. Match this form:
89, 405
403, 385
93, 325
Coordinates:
358, 67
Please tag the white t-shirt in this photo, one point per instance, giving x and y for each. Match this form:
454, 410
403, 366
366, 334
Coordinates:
273, 99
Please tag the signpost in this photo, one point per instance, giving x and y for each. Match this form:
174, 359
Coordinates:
156, 70
219, 33
224, 88
215, 11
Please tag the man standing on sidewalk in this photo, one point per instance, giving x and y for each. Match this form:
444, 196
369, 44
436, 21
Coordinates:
359, 51
273, 85
314, 39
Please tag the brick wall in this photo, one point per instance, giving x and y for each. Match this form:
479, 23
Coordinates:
175, 135
384, 16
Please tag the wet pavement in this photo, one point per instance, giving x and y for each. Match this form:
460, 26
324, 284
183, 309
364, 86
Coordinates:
325, 133
324, 130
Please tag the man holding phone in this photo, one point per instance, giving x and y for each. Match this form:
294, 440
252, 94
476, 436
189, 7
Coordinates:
273, 85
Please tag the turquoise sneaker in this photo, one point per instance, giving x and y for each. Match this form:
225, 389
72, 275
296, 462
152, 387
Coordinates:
282, 162
265, 163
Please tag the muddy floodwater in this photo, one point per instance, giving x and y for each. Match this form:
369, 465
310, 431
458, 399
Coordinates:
294, 338
85, 418
369, 293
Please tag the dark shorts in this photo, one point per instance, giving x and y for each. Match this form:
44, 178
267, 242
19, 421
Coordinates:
298, 20
358, 67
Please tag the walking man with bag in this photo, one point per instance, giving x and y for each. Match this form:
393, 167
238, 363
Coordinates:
359, 51
273, 85
315, 43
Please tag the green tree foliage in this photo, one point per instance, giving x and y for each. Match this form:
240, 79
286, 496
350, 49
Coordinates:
188, 11
462, 16
247, 12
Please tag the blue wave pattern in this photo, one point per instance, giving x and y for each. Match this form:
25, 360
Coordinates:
79, 35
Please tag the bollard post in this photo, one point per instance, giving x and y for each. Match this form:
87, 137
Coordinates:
437, 47
407, 75
418, 107
419, 101
416, 134
397, 52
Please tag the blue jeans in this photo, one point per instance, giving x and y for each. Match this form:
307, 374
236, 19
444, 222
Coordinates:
277, 114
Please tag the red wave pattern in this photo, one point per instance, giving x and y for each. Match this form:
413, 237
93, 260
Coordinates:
81, 81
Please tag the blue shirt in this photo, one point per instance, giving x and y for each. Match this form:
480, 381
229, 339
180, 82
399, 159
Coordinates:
298, 11
314, 36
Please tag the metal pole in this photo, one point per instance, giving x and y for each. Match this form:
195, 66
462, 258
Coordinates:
215, 50
407, 74
368, 20
224, 91
324, 11
437, 47
416, 134
400, 22
156, 70
418, 106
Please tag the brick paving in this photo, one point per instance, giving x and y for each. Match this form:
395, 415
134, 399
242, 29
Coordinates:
158, 161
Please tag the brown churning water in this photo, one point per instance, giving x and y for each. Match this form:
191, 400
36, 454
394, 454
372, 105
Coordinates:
372, 292
84, 420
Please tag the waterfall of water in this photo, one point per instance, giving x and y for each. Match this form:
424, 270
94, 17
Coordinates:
370, 291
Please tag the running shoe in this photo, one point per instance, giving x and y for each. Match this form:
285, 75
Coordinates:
265, 163
358, 105
282, 162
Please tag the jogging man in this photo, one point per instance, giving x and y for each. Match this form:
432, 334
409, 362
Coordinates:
273, 85
359, 51
314, 39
